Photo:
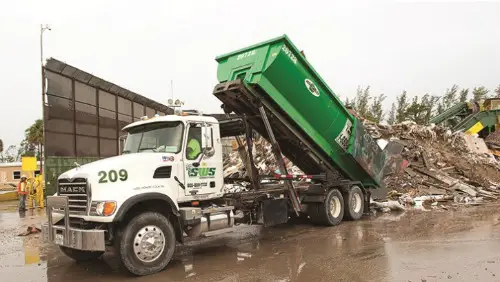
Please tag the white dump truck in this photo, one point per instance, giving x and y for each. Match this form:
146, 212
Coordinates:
167, 185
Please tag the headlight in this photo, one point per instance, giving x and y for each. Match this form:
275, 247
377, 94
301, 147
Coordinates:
103, 208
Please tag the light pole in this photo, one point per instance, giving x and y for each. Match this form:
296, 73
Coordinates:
42, 29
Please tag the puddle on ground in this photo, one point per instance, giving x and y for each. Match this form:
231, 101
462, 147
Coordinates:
412, 246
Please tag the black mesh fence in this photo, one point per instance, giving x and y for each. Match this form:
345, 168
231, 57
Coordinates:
84, 116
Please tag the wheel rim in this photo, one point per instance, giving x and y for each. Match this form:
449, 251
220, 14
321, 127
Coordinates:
149, 243
335, 207
356, 202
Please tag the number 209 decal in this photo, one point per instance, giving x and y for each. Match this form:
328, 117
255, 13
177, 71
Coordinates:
112, 176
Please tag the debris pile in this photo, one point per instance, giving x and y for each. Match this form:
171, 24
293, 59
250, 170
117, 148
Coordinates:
263, 158
437, 169
493, 142
493, 137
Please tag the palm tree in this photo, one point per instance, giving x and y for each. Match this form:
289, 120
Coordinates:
34, 138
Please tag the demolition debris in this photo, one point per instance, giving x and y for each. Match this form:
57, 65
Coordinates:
437, 168
430, 167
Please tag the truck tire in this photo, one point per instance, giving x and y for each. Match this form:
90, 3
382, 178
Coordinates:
328, 213
354, 203
79, 255
147, 243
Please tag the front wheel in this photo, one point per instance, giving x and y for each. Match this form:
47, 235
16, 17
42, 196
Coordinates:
330, 212
79, 255
147, 243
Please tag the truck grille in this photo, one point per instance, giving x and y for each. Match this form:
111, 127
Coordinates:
77, 191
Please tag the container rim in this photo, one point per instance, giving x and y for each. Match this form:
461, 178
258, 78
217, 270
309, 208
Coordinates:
224, 56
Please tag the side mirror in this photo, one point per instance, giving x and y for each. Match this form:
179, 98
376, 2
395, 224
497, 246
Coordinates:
206, 137
121, 143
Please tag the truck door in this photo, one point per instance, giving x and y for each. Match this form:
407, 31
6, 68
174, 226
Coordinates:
199, 174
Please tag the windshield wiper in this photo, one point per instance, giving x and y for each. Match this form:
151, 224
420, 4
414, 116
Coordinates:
125, 152
152, 149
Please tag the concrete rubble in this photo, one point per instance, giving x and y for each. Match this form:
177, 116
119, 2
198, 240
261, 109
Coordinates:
433, 168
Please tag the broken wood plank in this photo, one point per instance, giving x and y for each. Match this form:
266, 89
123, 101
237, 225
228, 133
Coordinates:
465, 188
410, 172
442, 178
437, 185
427, 162
416, 165
494, 191
484, 192
446, 169
473, 183
488, 196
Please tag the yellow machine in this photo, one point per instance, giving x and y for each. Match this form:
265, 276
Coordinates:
481, 118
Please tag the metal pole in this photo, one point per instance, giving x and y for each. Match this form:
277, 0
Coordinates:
42, 171
172, 88
42, 150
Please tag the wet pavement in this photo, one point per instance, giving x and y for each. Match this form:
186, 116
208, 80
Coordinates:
418, 246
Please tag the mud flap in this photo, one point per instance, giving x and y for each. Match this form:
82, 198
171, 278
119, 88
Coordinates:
273, 212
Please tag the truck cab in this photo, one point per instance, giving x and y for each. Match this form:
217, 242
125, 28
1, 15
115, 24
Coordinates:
148, 196
183, 154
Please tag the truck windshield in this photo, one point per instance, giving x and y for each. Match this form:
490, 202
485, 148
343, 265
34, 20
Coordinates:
161, 137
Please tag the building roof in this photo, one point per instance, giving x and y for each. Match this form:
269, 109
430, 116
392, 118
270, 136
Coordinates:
59, 67
14, 164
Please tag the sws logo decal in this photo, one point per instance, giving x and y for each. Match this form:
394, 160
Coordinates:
201, 172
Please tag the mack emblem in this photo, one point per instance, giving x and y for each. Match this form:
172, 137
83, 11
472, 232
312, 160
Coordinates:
73, 189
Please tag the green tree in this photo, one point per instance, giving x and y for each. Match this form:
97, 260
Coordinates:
392, 115
376, 111
480, 93
440, 108
9, 155
362, 101
349, 103
416, 111
401, 107
450, 96
464, 95
428, 103
449, 99
33, 141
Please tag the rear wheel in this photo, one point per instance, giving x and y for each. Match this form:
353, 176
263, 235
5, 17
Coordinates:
354, 203
147, 243
79, 255
330, 212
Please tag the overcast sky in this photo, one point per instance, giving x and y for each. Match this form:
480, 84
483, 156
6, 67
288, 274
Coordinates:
142, 45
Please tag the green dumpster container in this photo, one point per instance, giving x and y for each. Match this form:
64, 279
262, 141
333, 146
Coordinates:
278, 68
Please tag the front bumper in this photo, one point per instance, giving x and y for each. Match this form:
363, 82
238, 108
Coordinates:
64, 235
